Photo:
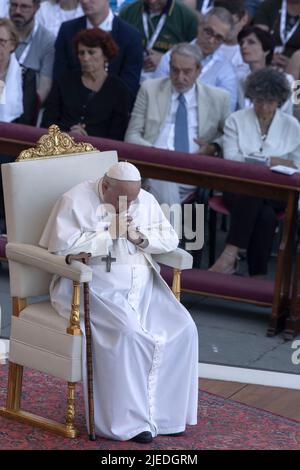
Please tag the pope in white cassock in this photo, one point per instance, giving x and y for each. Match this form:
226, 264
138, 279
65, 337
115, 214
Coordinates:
145, 343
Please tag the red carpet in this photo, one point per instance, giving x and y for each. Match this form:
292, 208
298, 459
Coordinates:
223, 424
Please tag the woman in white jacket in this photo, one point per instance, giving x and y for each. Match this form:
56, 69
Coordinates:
260, 131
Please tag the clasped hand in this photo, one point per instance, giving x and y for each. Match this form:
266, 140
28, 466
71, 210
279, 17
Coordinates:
204, 147
121, 227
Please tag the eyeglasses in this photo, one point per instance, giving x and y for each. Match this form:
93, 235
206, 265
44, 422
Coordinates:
3, 42
209, 32
22, 6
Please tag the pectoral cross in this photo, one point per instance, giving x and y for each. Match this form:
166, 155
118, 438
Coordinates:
108, 259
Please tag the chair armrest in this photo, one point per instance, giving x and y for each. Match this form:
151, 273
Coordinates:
42, 259
179, 259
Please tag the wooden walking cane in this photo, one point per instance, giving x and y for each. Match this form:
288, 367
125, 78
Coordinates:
84, 258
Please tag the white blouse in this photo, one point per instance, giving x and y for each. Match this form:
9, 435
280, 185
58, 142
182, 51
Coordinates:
242, 136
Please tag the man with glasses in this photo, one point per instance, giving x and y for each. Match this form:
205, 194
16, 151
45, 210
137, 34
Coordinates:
231, 48
217, 70
36, 47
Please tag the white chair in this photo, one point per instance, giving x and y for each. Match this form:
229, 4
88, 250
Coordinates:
40, 338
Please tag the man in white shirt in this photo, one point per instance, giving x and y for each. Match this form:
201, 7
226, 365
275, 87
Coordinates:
230, 48
154, 118
145, 344
214, 28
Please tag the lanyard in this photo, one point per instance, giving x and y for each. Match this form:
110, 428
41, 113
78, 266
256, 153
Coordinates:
284, 36
156, 32
26, 50
206, 6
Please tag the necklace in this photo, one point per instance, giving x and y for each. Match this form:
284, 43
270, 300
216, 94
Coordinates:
263, 130
263, 138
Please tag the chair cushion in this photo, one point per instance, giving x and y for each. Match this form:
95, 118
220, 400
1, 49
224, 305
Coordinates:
39, 340
223, 285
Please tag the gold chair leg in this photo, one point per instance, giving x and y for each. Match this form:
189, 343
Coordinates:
13, 411
15, 376
14, 386
176, 285
70, 414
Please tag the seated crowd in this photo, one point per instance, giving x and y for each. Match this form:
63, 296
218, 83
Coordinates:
203, 77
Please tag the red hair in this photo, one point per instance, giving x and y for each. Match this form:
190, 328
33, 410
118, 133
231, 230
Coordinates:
96, 37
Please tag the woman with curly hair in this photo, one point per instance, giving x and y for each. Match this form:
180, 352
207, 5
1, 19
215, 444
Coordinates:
262, 130
90, 102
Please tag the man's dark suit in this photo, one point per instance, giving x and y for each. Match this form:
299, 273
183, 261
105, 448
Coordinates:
128, 63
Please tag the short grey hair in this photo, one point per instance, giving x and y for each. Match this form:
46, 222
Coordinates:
268, 84
222, 14
188, 50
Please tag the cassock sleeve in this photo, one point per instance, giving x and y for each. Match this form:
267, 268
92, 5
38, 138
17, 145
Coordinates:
64, 233
160, 235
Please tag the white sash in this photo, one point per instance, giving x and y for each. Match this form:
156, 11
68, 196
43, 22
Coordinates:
156, 32
284, 35
11, 106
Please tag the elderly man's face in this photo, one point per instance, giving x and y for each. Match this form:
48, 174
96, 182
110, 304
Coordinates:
211, 34
155, 6
121, 194
184, 72
93, 7
22, 12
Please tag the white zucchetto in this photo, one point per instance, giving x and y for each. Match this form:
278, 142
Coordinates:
124, 171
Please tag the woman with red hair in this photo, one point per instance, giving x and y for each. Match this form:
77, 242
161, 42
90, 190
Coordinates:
89, 101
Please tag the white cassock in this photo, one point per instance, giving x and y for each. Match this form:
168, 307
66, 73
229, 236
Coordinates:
145, 343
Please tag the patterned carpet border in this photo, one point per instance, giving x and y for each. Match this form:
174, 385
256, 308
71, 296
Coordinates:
222, 424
